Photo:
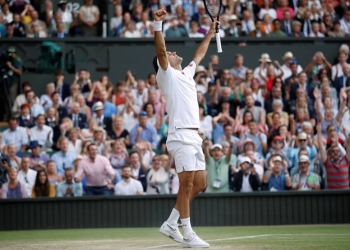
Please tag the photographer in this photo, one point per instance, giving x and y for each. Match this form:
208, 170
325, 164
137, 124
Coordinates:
246, 179
5, 165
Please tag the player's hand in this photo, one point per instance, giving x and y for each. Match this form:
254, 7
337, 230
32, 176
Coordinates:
214, 25
159, 15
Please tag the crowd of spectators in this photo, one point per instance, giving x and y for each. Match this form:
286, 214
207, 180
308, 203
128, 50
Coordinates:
186, 18
274, 127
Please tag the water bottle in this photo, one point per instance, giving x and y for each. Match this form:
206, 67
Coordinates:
104, 26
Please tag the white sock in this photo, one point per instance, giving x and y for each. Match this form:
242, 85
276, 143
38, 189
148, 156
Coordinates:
174, 217
186, 225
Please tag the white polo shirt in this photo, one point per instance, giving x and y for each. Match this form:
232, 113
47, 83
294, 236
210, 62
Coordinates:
180, 93
128, 188
28, 179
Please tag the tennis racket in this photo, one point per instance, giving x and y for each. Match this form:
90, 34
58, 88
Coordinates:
213, 8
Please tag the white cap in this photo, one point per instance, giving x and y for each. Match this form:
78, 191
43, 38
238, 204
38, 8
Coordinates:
304, 158
98, 106
244, 159
216, 146
200, 68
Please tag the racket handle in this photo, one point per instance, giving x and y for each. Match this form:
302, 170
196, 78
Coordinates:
218, 42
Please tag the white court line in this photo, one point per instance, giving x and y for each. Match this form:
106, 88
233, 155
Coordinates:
251, 237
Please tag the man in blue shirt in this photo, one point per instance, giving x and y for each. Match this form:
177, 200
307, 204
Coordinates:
15, 135
69, 187
64, 158
109, 108
144, 131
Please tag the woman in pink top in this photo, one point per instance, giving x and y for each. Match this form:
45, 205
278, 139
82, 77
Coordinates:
13, 189
283, 6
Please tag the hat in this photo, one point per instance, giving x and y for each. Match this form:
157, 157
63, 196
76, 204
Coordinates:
143, 113
277, 138
225, 144
200, 68
302, 136
288, 55
98, 106
97, 128
232, 18
216, 146
244, 159
25, 105
265, 57
62, 2
34, 144
11, 50
277, 158
304, 158
249, 141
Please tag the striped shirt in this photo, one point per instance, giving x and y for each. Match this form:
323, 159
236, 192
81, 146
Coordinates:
337, 173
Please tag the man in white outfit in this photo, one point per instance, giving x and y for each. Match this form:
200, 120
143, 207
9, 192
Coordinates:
183, 142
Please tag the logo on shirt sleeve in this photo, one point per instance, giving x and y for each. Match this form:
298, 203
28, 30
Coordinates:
190, 65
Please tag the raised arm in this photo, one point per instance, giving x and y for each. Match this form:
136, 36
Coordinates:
203, 47
321, 148
162, 56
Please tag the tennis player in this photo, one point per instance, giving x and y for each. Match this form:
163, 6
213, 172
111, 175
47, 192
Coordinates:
183, 141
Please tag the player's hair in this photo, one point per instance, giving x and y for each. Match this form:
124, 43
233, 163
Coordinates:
155, 64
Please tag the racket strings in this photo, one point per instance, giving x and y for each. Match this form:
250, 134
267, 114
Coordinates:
213, 7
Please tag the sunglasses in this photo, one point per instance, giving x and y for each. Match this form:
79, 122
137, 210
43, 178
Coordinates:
156, 159
335, 151
302, 140
279, 142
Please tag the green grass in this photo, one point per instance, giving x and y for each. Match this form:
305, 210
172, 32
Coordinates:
325, 237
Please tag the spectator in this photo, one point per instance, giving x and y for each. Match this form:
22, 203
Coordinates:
42, 186
296, 30
336, 165
267, 9
61, 86
266, 25
47, 15
52, 175
277, 32
276, 178
239, 70
175, 30
258, 32
36, 26
258, 138
25, 120
289, 61
130, 31
119, 132
45, 100
282, 8
218, 167
345, 22
78, 118
15, 161
37, 159
110, 110
35, 108
157, 178
5, 164
41, 133
116, 20
305, 180
59, 33
246, 179
74, 90
138, 168
194, 27
27, 175
67, 17
143, 131
102, 120
200, 12
89, 15
19, 28
128, 185
247, 22
143, 26
87, 133
15, 135
286, 22
13, 189
315, 32
97, 170
68, 187
63, 158
6, 14
75, 144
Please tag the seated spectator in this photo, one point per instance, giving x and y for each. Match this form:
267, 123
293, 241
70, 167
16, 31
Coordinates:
5, 164
35, 108
110, 109
267, 25
336, 165
119, 97
194, 27
63, 158
21, 99
36, 28
157, 178
75, 144
119, 132
68, 187
138, 168
15, 135
175, 30
296, 29
143, 131
84, 109
52, 175
45, 100
345, 21
277, 32
15, 161
26, 13
6, 14
117, 155
18, 27
258, 32
13, 189
218, 167
59, 33
267, 9
247, 22
87, 133
305, 180
277, 107
121, 27
107, 85
282, 7
102, 120
97, 171
42, 186
130, 31
144, 24
276, 178
74, 90
89, 15
286, 23
41, 133
116, 20
99, 139
78, 118
38, 159
246, 179
27, 175
153, 119
258, 112
25, 120
128, 185
337, 31
7, 31
315, 30
206, 124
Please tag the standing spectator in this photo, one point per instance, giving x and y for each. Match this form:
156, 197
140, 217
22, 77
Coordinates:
97, 171
15, 135
239, 70
61, 85
345, 22
277, 177
143, 131
246, 179
5, 164
78, 118
75, 144
35, 108
45, 99
119, 132
289, 61
68, 187
128, 185
282, 7
138, 168
13, 189
41, 133
67, 17
42, 186
27, 175
14, 159
305, 180
267, 9
110, 110
63, 158
175, 30
14, 66
157, 178
306, 28
218, 167
336, 165
116, 20
89, 15
6, 13
47, 15
19, 28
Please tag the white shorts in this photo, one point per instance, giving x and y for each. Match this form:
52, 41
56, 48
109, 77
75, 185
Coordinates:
186, 147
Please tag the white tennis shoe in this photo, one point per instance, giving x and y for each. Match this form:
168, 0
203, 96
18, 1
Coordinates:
193, 241
171, 231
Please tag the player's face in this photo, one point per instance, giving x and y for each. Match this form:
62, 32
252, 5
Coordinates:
174, 59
